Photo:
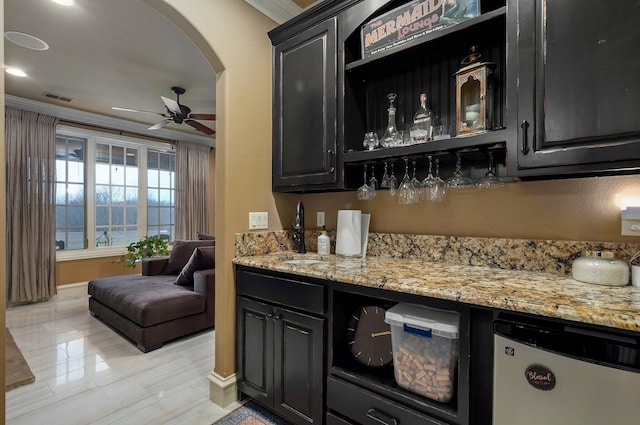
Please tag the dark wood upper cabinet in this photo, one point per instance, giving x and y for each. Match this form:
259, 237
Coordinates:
304, 105
573, 86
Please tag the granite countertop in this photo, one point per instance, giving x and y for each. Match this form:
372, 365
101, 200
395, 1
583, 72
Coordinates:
537, 293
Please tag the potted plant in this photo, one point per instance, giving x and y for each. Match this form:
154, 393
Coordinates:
149, 246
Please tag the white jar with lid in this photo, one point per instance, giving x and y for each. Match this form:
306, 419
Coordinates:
601, 268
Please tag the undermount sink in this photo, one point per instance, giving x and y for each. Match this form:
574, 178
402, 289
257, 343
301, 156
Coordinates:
302, 261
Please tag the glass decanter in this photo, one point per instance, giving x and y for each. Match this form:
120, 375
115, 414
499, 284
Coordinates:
390, 137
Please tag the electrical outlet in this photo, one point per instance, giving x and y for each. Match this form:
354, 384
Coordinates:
258, 220
631, 221
320, 218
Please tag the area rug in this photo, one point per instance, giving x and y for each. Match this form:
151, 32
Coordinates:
16, 368
251, 413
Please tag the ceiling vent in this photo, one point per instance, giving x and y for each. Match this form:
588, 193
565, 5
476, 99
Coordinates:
57, 97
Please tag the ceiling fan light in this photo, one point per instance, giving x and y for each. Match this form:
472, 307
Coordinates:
15, 71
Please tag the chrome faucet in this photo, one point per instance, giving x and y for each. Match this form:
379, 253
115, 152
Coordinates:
297, 228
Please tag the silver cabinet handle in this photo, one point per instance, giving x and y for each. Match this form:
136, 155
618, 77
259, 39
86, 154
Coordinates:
332, 161
381, 418
525, 140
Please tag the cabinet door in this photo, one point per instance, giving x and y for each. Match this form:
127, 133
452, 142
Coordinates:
574, 70
304, 109
254, 349
298, 367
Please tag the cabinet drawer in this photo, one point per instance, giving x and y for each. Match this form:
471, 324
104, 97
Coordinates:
279, 290
367, 408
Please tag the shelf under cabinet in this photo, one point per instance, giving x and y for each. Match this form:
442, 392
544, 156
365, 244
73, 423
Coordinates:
390, 390
476, 141
502, 11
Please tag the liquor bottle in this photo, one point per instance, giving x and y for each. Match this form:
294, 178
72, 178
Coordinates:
422, 128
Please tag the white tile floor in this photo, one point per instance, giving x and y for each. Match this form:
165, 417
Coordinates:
87, 374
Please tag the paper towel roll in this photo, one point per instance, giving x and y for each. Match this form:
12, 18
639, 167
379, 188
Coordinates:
348, 235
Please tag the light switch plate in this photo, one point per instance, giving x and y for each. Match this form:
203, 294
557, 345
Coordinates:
258, 220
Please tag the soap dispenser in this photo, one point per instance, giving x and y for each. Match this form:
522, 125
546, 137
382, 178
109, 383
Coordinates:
323, 242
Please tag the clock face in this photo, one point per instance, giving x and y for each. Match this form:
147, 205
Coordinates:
369, 337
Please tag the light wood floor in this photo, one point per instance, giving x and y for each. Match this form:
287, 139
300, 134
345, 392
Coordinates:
87, 374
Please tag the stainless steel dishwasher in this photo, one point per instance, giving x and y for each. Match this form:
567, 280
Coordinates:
550, 373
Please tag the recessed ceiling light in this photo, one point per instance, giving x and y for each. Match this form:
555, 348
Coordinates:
64, 2
15, 71
27, 41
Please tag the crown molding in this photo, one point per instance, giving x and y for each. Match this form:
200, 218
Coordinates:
278, 10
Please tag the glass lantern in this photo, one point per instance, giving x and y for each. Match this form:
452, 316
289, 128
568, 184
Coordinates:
474, 97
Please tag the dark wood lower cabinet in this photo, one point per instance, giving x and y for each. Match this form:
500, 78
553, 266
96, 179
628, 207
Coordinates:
280, 357
293, 357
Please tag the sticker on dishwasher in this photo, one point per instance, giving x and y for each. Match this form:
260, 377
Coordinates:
540, 377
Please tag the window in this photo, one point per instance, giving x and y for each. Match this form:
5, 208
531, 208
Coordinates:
161, 168
70, 193
116, 212
111, 190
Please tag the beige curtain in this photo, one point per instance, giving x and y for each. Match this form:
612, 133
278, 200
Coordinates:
30, 147
192, 175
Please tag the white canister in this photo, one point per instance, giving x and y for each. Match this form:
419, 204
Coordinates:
600, 268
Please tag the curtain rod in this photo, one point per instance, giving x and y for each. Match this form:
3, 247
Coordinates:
116, 132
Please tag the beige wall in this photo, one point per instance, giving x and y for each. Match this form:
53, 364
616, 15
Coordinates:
586, 209
84, 270
237, 33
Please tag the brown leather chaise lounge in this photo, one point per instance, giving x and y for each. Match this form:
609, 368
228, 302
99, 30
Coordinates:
172, 298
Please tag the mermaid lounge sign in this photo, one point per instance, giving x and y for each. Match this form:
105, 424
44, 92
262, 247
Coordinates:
413, 20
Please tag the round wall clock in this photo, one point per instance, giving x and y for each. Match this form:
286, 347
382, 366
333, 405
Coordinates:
369, 337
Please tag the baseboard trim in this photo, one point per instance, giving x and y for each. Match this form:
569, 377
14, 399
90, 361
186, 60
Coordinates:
73, 289
223, 391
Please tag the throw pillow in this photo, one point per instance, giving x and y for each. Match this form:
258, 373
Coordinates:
203, 258
180, 253
205, 237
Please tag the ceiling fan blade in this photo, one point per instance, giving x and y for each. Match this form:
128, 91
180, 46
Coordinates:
172, 105
160, 124
117, 108
206, 117
195, 124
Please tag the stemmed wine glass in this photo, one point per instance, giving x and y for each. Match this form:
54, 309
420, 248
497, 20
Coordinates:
406, 191
366, 192
373, 182
393, 183
416, 184
458, 180
439, 189
384, 183
490, 179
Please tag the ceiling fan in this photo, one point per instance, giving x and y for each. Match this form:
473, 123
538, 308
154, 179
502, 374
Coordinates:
177, 113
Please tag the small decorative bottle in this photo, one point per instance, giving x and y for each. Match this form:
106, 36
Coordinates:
422, 128
323, 242
391, 135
